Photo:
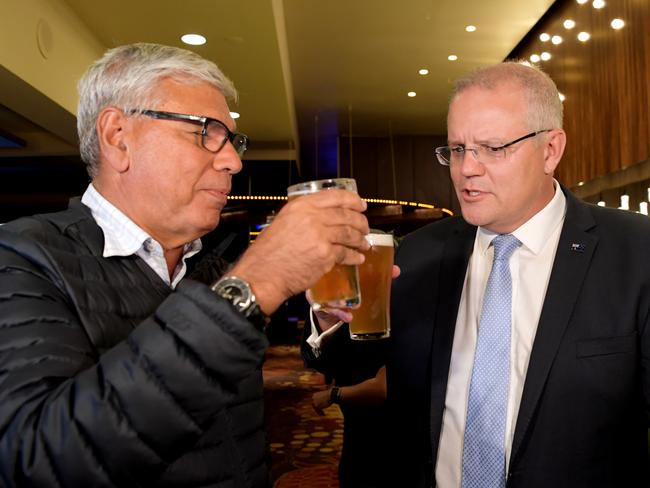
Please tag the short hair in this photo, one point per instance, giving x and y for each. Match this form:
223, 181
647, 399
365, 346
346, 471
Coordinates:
543, 99
126, 77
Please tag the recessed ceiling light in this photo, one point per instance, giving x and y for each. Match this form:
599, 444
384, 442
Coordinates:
544, 37
424, 71
562, 97
556, 40
452, 57
193, 39
598, 3
235, 115
569, 24
583, 36
470, 28
617, 24
582, 1
411, 94
545, 56
535, 58
526, 63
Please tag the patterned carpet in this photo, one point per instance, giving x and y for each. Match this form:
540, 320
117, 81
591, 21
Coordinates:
305, 447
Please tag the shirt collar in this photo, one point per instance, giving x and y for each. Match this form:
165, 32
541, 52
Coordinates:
122, 236
534, 233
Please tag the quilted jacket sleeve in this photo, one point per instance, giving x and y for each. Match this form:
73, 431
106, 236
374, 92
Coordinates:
70, 418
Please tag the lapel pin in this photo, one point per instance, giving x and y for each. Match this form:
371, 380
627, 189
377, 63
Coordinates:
576, 247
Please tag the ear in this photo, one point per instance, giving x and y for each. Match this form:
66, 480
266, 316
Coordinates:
553, 150
111, 128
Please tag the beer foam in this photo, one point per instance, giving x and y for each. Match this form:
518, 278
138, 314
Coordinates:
380, 239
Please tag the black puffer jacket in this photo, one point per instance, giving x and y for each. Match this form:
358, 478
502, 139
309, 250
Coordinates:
107, 378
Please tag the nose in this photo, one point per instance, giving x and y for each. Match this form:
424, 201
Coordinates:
471, 166
227, 159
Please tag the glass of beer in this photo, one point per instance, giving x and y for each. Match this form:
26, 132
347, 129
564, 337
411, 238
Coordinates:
339, 287
372, 319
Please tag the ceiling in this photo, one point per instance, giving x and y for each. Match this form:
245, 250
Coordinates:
301, 66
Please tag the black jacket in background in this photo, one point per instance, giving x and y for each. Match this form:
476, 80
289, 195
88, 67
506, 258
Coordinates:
365, 445
110, 379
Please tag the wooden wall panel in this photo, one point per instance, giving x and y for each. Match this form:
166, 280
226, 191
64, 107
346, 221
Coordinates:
418, 175
605, 80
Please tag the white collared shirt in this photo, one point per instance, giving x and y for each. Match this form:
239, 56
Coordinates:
530, 267
122, 237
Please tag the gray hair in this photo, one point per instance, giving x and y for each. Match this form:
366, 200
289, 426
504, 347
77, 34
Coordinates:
126, 77
543, 99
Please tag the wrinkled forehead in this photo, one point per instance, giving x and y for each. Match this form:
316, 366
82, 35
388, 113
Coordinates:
504, 100
479, 113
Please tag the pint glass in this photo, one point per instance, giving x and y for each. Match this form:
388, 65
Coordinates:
372, 319
340, 286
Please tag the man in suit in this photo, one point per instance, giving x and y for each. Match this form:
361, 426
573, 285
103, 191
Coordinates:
571, 353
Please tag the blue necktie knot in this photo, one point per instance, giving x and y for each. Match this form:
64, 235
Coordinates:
504, 246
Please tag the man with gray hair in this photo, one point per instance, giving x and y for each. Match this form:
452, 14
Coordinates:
116, 369
521, 335
520, 351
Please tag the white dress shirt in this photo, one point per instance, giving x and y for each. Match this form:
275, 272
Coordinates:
122, 237
530, 267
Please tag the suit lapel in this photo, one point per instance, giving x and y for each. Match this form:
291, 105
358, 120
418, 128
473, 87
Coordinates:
575, 250
455, 257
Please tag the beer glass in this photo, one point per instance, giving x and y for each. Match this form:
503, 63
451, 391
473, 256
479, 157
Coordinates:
340, 286
372, 319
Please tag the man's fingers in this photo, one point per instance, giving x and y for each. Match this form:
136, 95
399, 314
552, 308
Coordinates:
396, 271
339, 313
347, 256
337, 198
349, 237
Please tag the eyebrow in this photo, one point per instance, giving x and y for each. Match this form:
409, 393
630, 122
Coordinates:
483, 141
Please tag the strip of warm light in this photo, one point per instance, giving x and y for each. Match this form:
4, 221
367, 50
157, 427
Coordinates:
382, 201
260, 197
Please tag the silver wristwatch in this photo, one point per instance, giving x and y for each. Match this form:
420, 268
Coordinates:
240, 295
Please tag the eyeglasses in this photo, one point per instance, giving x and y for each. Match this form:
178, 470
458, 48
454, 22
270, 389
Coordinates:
448, 155
214, 133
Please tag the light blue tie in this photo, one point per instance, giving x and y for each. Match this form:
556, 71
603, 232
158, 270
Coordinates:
484, 460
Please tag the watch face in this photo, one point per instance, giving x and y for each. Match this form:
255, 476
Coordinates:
240, 295
234, 293
235, 290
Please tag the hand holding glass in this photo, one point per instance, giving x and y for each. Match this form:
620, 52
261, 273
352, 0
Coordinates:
338, 288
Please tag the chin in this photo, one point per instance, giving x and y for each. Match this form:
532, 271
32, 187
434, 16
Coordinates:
473, 218
209, 221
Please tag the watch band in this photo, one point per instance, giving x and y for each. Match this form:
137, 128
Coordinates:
239, 294
335, 395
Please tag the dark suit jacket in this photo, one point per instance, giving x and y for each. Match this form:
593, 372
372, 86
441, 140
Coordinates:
349, 362
585, 407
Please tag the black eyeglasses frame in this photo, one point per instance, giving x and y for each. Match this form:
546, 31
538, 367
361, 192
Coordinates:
441, 158
239, 141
